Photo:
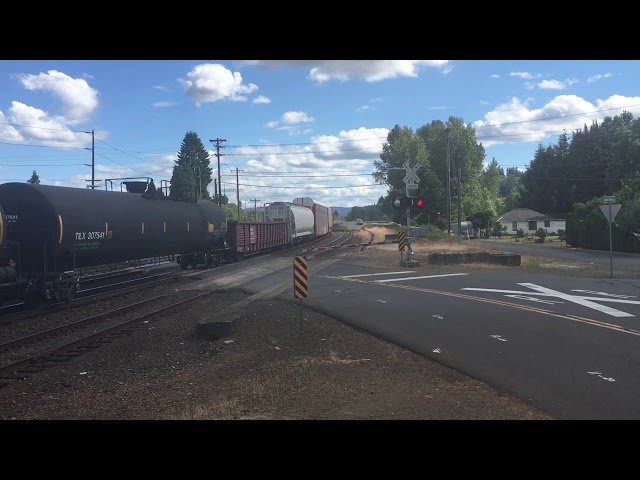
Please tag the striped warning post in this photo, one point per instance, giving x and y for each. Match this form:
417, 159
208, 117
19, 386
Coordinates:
401, 241
300, 285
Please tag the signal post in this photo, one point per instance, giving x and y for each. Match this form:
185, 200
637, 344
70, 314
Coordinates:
411, 181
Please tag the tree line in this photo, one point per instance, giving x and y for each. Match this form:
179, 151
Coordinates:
566, 179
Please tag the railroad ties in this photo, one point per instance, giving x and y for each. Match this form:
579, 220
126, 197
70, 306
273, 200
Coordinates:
353, 245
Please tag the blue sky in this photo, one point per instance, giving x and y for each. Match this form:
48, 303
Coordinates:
292, 127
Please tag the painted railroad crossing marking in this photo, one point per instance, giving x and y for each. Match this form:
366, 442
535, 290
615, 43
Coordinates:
401, 279
584, 300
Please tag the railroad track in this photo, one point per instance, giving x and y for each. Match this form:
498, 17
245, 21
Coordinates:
70, 340
37, 361
90, 295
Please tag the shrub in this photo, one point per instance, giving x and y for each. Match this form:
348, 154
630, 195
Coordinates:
541, 233
434, 233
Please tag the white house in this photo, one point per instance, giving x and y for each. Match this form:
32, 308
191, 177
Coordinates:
530, 221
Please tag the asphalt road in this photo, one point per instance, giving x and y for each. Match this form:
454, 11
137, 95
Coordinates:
568, 345
565, 253
569, 348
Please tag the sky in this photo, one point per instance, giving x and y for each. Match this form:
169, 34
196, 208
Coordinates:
291, 128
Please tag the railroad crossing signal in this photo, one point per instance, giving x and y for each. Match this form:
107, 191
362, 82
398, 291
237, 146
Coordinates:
300, 286
402, 241
402, 203
419, 202
411, 178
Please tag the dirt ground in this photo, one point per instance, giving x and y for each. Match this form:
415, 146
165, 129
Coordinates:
267, 369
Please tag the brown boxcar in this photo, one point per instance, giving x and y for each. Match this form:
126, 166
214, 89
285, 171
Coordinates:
247, 238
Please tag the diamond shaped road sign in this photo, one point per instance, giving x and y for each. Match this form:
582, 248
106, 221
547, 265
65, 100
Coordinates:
614, 209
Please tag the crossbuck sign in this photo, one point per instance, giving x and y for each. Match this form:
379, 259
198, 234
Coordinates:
411, 179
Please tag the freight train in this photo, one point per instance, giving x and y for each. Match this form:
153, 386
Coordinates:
50, 236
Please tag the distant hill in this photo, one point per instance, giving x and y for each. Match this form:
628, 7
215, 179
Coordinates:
342, 211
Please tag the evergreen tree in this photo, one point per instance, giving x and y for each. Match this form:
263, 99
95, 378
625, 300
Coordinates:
191, 173
183, 184
34, 178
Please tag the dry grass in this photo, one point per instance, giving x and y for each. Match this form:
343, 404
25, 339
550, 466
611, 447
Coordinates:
377, 234
388, 256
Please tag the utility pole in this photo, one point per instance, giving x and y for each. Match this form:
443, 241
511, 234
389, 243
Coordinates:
448, 184
199, 183
459, 201
255, 208
93, 159
217, 143
238, 190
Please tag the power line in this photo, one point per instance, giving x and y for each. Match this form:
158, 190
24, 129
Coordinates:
307, 187
133, 156
123, 165
40, 165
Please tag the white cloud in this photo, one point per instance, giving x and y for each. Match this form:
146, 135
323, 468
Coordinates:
525, 75
289, 122
161, 88
529, 85
293, 130
594, 78
261, 99
484, 102
9, 133
211, 82
495, 75
557, 84
514, 122
44, 129
292, 118
78, 99
321, 71
365, 108
318, 166
440, 107
164, 104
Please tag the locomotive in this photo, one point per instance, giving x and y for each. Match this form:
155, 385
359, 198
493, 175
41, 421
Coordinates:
50, 235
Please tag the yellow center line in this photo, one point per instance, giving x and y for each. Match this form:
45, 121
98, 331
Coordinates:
573, 318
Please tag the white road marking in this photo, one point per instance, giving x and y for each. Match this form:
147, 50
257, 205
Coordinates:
438, 316
381, 301
418, 278
533, 299
584, 301
436, 350
580, 300
604, 293
608, 379
498, 337
373, 274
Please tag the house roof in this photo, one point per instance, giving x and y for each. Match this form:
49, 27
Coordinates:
519, 215
525, 215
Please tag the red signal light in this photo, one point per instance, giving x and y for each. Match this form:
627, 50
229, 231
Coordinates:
419, 202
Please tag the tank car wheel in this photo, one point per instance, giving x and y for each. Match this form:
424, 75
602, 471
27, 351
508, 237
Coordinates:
194, 264
184, 263
71, 293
